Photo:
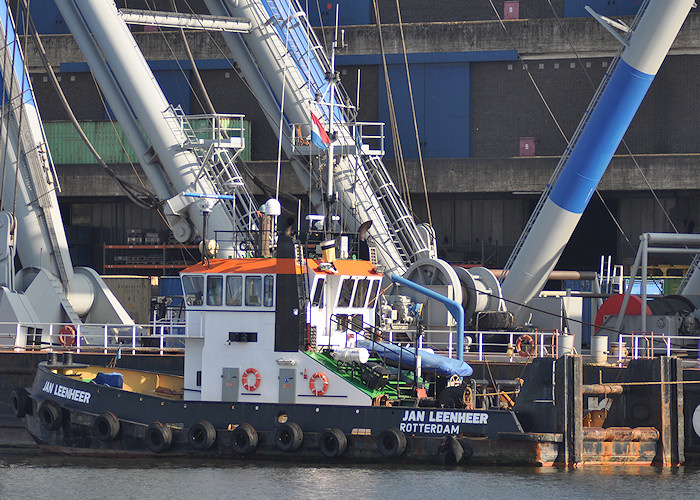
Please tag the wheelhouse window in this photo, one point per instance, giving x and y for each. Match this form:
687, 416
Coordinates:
341, 322
317, 300
253, 290
193, 287
346, 292
269, 296
373, 293
234, 290
357, 322
214, 290
360, 293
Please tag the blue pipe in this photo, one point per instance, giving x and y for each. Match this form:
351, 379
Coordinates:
214, 196
455, 308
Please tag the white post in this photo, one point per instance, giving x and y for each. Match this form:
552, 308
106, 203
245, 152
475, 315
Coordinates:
449, 350
77, 338
106, 339
619, 348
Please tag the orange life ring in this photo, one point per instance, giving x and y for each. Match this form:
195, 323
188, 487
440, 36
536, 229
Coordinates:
529, 350
66, 336
312, 384
247, 385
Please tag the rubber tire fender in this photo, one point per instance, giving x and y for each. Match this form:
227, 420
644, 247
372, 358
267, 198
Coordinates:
20, 402
50, 415
244, 439
288, 437
106, 426
332, 442
391, 442
451, 451
201, 435
158, 437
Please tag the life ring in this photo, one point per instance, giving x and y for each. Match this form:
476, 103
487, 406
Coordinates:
66, 336
312, 384
529, 349
247, 385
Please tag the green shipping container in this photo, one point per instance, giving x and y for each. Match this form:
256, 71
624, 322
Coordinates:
67, 148
107, 138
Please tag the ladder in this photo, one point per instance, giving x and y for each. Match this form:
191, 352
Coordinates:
218, 166
302, 289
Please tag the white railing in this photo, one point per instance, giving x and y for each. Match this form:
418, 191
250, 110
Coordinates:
649, 344
514, 346
368, 138
158, 337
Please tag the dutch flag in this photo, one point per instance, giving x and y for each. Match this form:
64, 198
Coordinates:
318, 134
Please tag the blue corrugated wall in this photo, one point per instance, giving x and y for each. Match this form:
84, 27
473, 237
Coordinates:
350, 12
441, 93
576, 8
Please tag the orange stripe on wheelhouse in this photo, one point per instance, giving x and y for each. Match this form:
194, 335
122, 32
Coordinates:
280, 266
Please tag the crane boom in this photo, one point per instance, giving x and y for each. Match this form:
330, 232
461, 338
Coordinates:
47, 289
591, 149
175, 159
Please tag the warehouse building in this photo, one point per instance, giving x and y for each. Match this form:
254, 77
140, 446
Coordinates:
498, 87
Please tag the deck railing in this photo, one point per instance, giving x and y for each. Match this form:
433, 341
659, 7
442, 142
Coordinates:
154, 338
640, 345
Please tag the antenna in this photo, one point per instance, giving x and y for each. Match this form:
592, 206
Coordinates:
357, 99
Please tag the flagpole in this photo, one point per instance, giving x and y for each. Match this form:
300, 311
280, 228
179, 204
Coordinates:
329, 152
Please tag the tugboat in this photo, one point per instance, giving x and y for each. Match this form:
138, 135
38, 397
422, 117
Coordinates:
282, 359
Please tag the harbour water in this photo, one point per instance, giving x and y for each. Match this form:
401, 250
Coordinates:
43, 476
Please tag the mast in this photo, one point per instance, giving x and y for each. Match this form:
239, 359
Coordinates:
272, 58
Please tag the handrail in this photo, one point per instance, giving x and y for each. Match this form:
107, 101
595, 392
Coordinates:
649, 344
164, 337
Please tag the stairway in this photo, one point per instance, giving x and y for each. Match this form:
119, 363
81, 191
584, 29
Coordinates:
217, 156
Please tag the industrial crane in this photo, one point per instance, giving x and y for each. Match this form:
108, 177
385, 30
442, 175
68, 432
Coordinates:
46, 290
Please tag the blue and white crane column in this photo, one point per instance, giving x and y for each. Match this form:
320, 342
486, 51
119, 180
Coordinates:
641, 59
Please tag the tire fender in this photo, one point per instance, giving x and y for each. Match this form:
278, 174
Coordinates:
244, 439
20, 402
106, 426
288, 437
391, 442
201, 435
50, 415
332, 442
158, 437
451, 451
